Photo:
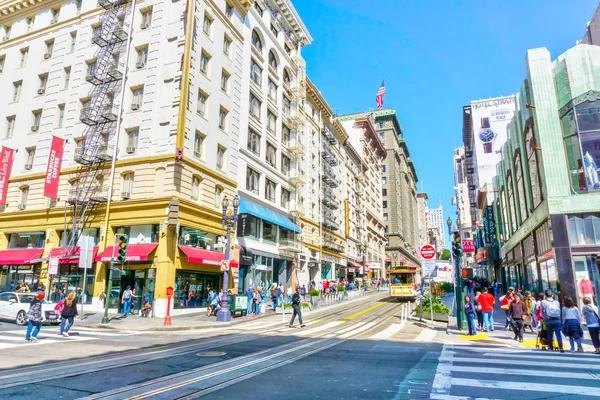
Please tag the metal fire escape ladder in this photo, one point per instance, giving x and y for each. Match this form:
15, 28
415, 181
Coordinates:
100, 115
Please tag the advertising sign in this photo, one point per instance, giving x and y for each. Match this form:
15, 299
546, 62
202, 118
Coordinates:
53, 266
6, 159
53, 167
490, 118
468, 246
489, 225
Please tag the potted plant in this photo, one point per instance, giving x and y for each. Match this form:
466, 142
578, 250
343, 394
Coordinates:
440, 311
314, 298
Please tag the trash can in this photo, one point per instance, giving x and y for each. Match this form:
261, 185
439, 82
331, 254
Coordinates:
238, 303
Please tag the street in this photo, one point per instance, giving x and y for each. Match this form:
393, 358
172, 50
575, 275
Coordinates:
360, 349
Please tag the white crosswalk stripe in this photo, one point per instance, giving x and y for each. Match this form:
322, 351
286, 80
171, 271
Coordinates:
463, 371
49, 335
388, 332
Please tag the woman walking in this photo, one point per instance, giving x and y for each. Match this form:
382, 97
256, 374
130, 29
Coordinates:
479, 312
68, 313
572, 324
516, 312
470, 313
34, 318
590, 313
528, 317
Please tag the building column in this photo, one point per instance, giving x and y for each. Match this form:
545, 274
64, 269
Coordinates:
562, 255
166, 255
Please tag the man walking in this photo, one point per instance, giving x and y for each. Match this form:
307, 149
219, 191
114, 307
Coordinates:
551, 313
296, 308
126, 301
486, 301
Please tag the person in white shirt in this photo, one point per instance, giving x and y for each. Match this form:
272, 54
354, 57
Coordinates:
590, 313
572, 323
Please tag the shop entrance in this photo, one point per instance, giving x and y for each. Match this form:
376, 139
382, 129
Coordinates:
141, 282
191, 288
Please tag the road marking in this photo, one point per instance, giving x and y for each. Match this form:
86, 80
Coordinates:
451, 397
529, 362
329, 335
549, 355
359, 330
441, 382
426, 335
320, 328
389, 331
362, 312
349, 328
529, 386
519, 372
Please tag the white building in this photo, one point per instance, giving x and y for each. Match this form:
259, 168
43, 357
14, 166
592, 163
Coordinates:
435, 217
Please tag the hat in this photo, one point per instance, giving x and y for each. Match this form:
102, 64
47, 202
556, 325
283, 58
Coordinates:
40, 296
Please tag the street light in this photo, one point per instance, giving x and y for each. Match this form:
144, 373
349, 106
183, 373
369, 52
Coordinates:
363, 252
228, 218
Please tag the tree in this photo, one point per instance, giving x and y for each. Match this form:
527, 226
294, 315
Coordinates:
445, 254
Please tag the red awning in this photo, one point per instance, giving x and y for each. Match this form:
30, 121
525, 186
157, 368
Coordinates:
135, 253
357, 265
207, 257
72, 257
20, 256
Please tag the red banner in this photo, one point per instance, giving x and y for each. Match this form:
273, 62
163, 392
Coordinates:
53, 167
468, 246
6, 159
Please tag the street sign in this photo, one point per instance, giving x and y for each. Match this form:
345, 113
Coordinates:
428, 268
170, 291
225, 265
428, 252
86, 251
53, 266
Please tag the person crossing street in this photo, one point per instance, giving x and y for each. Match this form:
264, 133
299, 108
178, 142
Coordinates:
516, 313
551, 314
34, 318
296, 308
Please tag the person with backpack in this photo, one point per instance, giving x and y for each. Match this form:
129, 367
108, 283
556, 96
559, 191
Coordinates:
296, 308
592, 321
126, 300
67, 314
34, 318
572, 324
551, 314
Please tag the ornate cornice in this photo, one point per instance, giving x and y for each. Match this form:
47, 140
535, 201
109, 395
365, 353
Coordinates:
242, 6
370, 136
591, 95
10, 7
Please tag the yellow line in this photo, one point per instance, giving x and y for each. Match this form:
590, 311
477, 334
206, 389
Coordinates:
362, 312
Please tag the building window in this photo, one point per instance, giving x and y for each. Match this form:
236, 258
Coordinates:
2, 61
198, 145
270, 188
272, 60
252, 179
133, 137
271, 155
228, 10
220, 157
255, 106
146, 18
385, 216
23, 197
78, 4
142, 56
91, 68
207, 25
384, 180
138, 96
285, 135
49, 49
223, 119
286, 165
271, 122
286, 78
24, 54
29, 158
55, 12
202, 100
204, 60
272, 91
29, 21
67, 77
584, 229
17, 90
274, 30
36, 118
195, 188
127, 185
218, 195
61, 115
257, 42
285, 198
520, 194
224, 81
384, 204
255, 72
254, 142
10, 126
226, 45
287, 106
7, 31
383, 168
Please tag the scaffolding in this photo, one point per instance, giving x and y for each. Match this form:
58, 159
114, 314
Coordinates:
101, 116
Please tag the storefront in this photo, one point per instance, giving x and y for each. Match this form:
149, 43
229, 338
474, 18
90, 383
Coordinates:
20, 265
246, 261
69, 277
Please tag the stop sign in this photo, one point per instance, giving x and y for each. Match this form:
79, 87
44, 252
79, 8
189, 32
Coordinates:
427, 252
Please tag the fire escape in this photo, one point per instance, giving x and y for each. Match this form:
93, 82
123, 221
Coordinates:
329, 197
99, 114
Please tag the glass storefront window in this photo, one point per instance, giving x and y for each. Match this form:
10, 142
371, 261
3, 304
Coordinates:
64, 236
590, 149
269, 232
26, 240
549, 275
285, 234
325, 270
139, 234
197, 238
249, 226
533, 277
584, 230
585, 286
588, 116
69, 279
13, 275
191, 288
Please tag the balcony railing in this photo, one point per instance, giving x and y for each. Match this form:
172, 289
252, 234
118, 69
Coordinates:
290, 245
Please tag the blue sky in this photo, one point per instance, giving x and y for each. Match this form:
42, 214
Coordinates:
435, 56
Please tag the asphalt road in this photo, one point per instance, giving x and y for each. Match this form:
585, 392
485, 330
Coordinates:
360, 350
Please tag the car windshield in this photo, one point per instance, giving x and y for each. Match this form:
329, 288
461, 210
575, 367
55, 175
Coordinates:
28, 298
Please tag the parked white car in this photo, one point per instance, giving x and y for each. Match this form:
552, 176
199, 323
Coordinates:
14, 307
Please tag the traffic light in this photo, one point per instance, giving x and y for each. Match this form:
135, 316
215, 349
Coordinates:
467, 273
122, 249
456, 246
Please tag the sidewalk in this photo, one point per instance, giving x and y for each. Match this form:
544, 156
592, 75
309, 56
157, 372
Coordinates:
192, 321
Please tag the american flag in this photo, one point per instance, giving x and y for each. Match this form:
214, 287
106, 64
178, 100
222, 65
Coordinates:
380, 94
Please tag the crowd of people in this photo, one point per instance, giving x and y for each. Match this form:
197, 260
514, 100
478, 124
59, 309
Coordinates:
540, 313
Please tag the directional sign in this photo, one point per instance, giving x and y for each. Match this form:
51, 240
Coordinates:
428, 268
428, 252
225, 265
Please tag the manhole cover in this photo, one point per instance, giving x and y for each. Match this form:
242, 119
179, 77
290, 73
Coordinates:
211, 354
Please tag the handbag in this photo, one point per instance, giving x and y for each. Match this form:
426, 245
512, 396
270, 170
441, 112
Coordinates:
505, 307
527, 320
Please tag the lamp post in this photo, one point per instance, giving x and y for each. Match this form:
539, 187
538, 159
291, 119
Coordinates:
228, 218
363, 252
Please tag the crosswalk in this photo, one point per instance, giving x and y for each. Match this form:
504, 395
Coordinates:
486, 372
51, 335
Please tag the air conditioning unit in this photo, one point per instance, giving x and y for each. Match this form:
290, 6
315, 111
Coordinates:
139, 65
125, 195
135, 106
130, 149
41, 91
34, 128
28, 166
47, 56
21, 206
144, 26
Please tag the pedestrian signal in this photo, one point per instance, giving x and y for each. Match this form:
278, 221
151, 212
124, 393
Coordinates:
467, 273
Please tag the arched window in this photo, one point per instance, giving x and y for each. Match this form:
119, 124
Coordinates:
286, 77
257, 42
535, 178
521, 198
272, 60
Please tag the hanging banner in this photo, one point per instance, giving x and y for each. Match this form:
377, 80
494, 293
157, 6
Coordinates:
6, 159
53, 167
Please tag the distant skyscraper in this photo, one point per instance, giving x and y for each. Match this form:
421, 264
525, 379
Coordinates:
435, 217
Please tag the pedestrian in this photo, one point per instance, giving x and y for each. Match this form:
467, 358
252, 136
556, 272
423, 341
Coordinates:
256, 299
516, 311
572, 324
592, 321
41, 287
275, 293
296, 308
289, 293
303, 292
68, 313
505, 302
34, 318
551, 315
250, 296
528, 318
478, 311
495, 288
487, 301
146, 308
470, 313
126, 300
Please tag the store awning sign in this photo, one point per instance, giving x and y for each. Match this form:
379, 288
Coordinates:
6, 159
53, 167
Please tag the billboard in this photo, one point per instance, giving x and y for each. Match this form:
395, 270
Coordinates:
53, 167
490, 118
6, 160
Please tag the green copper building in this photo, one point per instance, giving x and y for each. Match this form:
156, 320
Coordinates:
547, 209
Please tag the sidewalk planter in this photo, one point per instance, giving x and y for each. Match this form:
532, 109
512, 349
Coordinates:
436, 316
289, 310
353, 294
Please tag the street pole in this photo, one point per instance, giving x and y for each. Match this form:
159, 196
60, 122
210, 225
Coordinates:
109, 288
458, 292
229, 218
